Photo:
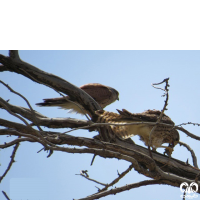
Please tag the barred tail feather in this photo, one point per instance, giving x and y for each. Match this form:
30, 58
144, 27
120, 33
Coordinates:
63, 104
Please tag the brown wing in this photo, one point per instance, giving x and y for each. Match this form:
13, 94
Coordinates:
125, 116
162, 134
102, 94
98, 92
148, 116
119, 119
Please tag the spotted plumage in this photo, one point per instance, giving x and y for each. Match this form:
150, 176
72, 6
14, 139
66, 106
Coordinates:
164, 133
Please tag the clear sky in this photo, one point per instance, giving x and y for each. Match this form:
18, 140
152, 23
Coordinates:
34, 176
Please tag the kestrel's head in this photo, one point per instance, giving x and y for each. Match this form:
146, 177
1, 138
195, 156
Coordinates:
115, 94
173, 142
174, 138
170, 136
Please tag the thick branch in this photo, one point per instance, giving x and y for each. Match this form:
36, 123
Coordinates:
14, 54
37, 75
3, 68
121, 148
45, 121
24, 112
137, 152
64, 123
17, 126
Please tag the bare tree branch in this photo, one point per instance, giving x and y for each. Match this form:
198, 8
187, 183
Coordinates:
17, 133
2, 146
90, 179
48, 79
187, 132
11, 161
189, 123
29, 105
118, 178
8, 110
162, 111
3, 68
14, 55
194, 158
24, 112
123, 150
6, 195
120, 189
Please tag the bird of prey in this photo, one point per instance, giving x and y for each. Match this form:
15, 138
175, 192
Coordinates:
102, 94
164, 132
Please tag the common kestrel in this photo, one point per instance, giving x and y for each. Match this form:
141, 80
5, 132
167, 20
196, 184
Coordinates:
102, 94
164, 133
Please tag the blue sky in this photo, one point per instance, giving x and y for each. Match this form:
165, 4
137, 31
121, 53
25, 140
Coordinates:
34, 176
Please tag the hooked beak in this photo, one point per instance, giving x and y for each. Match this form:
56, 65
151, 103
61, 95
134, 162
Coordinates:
171, 144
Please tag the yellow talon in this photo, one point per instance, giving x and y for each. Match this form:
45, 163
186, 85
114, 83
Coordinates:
168, 151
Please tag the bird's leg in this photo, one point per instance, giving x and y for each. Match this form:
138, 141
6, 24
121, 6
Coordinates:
168, 150
153, 149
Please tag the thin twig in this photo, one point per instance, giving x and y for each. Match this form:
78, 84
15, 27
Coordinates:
187, 132
118, 178
90, 179
2, 146
22, 119
6, 195
93, 160
11, 161
24, 112
195, 124
166, 94
162, 111
121, 189
110, 184
194, 158
30, 128
29, 105
12, 113
35, 138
